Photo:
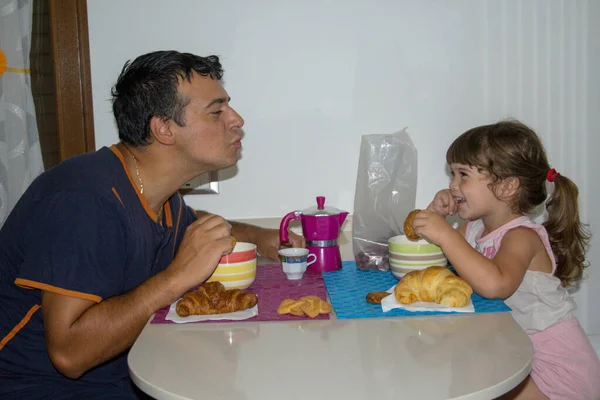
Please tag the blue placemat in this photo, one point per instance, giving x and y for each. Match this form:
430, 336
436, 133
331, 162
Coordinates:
348, 287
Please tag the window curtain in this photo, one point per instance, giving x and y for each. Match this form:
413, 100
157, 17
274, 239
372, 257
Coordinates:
20, 153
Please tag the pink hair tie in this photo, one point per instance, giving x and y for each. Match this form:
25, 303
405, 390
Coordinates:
552, 175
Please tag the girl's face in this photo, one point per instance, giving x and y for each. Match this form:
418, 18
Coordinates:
471, 190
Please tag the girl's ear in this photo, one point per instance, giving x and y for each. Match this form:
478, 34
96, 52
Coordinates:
509, 187
161, 131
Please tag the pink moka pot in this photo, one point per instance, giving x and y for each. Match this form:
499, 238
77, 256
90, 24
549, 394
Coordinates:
321, 227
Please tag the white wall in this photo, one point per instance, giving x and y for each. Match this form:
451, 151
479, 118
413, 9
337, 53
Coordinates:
310, 77
590, 188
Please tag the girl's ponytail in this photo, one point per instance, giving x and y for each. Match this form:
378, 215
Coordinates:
568, 236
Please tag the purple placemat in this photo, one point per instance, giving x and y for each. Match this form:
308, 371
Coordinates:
272, 286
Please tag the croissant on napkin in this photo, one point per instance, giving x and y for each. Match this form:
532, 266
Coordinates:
213, 298
434, 284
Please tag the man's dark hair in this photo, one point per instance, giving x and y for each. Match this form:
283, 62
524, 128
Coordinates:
147, 87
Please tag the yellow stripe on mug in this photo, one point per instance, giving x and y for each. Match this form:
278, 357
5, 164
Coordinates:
231, 277
236, 268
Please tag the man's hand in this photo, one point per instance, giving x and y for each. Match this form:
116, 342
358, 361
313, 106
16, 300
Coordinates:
266, 240
203, 244
269, 245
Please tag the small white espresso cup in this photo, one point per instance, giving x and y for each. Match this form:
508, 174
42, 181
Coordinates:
294, 262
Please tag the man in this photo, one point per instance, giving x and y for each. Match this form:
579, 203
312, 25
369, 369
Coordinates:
99, 243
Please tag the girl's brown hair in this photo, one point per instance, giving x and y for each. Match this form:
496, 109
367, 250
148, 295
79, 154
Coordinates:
511, 149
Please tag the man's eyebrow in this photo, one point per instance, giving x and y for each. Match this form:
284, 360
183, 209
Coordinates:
220, 100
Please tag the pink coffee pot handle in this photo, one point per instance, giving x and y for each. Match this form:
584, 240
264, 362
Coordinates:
285, 222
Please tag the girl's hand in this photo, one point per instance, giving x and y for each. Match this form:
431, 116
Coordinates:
443, 203
432, 226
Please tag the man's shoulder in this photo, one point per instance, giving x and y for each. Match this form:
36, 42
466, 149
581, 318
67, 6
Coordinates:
95, 173
96, 177
100, 162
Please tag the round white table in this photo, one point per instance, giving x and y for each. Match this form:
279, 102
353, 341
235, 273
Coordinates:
475, 356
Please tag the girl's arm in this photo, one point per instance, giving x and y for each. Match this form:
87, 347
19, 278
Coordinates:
462, 229
500, 277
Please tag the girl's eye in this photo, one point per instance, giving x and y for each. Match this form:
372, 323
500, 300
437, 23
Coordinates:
216, 112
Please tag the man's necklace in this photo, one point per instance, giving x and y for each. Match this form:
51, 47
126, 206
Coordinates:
137, 172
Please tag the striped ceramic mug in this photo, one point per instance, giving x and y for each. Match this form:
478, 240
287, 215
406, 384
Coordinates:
407, 255
237, 270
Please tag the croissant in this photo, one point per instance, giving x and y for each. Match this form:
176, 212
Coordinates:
213, 298
436, 284
213, 291
235, 300
194, 303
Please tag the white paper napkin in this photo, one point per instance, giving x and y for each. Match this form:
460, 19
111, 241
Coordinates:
235, 316
389, 302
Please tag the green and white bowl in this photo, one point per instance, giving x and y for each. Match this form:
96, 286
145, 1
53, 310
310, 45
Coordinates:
407, 255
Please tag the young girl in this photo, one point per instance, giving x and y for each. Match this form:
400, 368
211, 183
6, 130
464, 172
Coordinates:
499, 174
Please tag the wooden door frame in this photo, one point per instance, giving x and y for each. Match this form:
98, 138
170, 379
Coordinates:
72, 76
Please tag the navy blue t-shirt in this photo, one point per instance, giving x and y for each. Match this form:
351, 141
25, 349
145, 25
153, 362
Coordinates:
81, 229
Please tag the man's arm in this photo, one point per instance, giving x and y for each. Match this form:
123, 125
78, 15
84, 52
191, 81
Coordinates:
81, 334
267, 240
242, 232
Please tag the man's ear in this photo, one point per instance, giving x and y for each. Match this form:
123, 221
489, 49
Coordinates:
161, 131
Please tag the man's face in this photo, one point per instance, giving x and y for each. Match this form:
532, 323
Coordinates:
210, 139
